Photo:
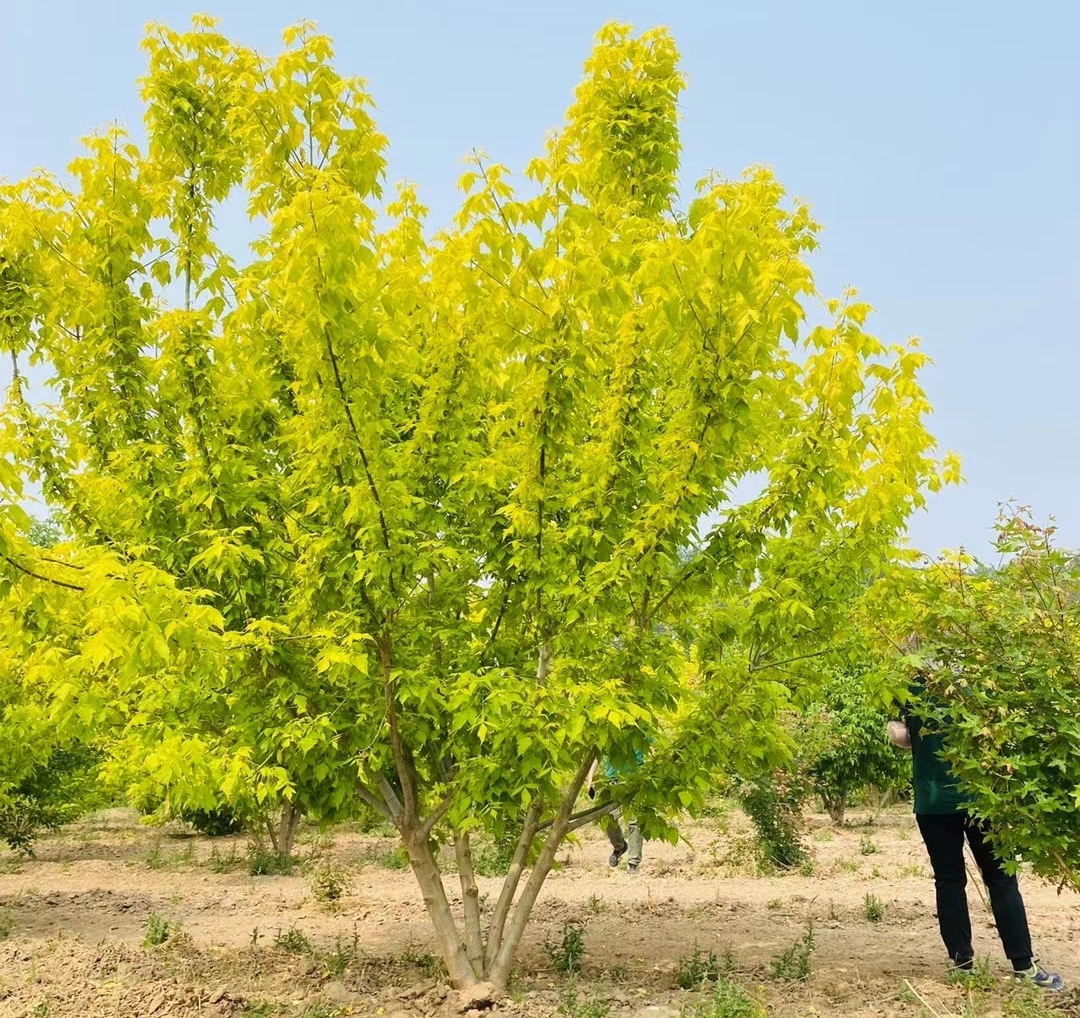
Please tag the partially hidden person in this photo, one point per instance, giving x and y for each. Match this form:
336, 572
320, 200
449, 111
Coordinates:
942, 813
632, 844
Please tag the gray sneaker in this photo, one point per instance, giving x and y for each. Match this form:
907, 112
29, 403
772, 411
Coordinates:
1037, 976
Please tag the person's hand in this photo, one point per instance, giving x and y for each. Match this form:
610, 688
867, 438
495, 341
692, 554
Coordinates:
899, 734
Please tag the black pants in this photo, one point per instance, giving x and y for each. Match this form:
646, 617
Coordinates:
944, 837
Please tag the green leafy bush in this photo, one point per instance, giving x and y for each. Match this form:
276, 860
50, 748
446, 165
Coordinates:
774, 805
843, 747
566, 953
56, 792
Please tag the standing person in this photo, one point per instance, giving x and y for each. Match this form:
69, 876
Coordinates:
941, 810
632, 845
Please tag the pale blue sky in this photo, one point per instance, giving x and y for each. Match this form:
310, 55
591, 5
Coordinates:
939, 142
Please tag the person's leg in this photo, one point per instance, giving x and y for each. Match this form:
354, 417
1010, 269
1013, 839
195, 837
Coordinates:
943, 835
615, 836
1005, 899
636, 844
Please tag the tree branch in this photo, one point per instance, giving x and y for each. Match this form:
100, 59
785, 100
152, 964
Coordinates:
787, 661
38, 576
435, 816
379, 805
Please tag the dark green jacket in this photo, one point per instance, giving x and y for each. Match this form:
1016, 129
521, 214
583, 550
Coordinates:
935, 787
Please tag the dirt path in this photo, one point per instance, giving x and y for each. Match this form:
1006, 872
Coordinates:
79, 913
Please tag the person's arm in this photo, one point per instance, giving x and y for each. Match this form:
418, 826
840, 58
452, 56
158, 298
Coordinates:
589, 779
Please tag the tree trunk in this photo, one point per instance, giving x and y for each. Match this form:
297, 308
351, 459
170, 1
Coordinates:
425, 868
499, 971
470, 901
836, 807
285, 834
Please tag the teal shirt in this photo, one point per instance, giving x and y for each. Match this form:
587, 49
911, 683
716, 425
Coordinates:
613, 773
936, 790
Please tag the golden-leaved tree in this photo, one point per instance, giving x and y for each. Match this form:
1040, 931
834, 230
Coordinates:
431, 503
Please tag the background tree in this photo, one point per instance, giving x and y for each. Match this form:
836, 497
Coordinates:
843, 746
434, 492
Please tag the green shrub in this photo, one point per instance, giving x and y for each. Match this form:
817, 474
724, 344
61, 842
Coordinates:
795, 963
727, 1000
571, 1006
293, 941
263, 861
329, 883
566, 953
843, 748
697, 968
774, 805
54, 793
874, 908
158, 930
214, 823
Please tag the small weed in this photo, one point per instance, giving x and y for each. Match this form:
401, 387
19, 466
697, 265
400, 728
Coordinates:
727, 1000
867, 845
261, 1009
1029, 1002
7, 922
823, 836
794, 963
395, 859
293, 941
698, 968
155, 859
493, 858
265, 862
42, 1009
322, 1011
914, 870
571, 1006
256, 936
329, 884
597, 904
834, 915
774, 905
158, 930
848, 865
807, 868
980, 977
224, 863
428, 964
566, 954
874, 908
338, 960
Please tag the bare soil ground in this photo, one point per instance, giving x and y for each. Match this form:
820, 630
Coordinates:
238, 944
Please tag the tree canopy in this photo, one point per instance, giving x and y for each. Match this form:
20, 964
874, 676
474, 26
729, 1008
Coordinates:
430, 517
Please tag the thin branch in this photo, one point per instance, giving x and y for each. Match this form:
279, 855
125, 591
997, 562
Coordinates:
377, 804
393, 803
586, 817
38, 576
786, 661
435, 816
